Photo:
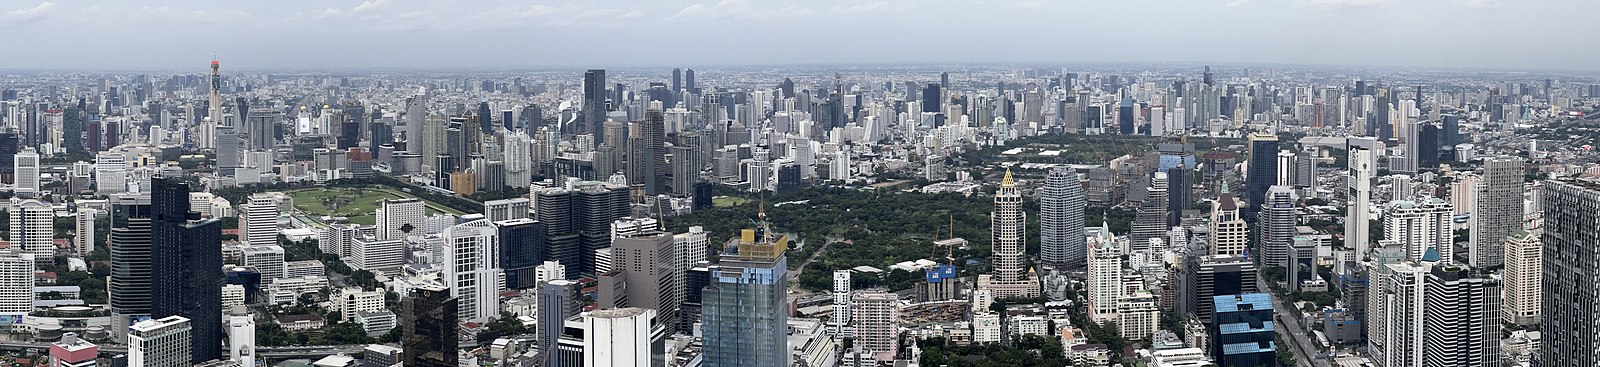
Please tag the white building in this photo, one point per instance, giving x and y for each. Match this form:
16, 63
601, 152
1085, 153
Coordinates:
875, 318
110, 173
33, 229
619, 337
379, 256
1105, 279
258, 221
304, 268
232, 295
506, 209
1359, 201
1028, 325
26, 164
160, 343
241, 337
1394, 326
548, 271
472, 268
985, 328
16, 283
841, 300
83, 237
349, 301
1419, 226
1520, 294
267, 259
396, 216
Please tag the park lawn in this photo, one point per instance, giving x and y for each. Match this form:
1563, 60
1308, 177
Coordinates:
357, 204
727, 201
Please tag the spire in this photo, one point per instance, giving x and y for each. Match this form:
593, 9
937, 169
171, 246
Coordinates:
1224, 186
1007, 181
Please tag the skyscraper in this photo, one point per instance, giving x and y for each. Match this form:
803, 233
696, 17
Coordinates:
471, 268
594, 103
1104, 279
1359, 200
33, 230
875, 317
745, 307
1396, 312
649, 154
1242, 330
399, 218
1571, 258
558, 300
1008, 228
259, 220
1419, 227
644, 268
1461, 322
1206, 277
260, 129
1229, 232
622, 337
429, 337
1151, 221
186, 270
1277, 226
841, 301
16, 284
129, 284
164, 342
522, 246
27, 173
577, 222
1263, 173
1520, 291
214, 110
1497, 210
1061, 205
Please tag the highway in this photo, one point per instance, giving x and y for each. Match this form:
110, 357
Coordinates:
1305, 351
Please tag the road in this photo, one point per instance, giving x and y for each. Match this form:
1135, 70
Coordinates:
1304, 348
271, 353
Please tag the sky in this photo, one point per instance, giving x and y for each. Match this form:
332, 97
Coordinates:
379, 34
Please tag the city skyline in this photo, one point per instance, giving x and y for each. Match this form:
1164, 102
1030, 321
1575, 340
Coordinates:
411, 35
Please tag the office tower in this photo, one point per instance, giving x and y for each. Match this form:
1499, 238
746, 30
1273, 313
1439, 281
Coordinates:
378, 256
26, 165
129, 242
1287, 169
33, 229
931, 101
429, 337
1497, 210
577, 222
1571, 213
260, 129
875, 318
73, 352
677, 80
1263, 172
472, 269
83, 233
230, 149
399, 218
186, 266
686, 166
1061, 205
259, 220
688, 81
650, 166
689, 250
9, 148
1206, 277
594, 103
1151, 221
1229, 232
644, 269
1242, 330
1125, 117
164, 342
624, 337
1395, 313
506, 209
1007, 226
1104, 279
214, 110
266, 259
242, 336
416, 117
521, 251
1461, 322
1450, 135
1277, 226
1420, 226
16, 284
1521, 293
110, 173
1359, 200
745, 306
558, 300
841, 301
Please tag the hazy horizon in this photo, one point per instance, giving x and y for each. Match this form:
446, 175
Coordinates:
1488, 35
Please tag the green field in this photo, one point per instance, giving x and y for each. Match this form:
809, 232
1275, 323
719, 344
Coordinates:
727, 201
355, 203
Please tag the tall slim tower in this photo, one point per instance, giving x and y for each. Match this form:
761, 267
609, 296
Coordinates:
214, 110
1006, 227
1497, 210
1061, 203
1151, 222
1571, 258
1263, 173
594, 103
1358, 214
1520, 290
745, 306
186, 266
1229, 232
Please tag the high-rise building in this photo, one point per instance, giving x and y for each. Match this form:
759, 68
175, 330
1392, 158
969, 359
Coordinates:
1263, 172
266, 259
1229, 232
643, 269
841, 300
1461, 322
1497, 210
594, 103
558, 300
506, 209
260, 129
521, 251
648, 156
1151, 221
83, 235
186, 266
1359, 200
1206, 277
73, 352
1242, 330
399, 218
472, 269
1520, 291
214, 110
1570, 260
1008, 228
33, 229
1277, 226
1395, 313
242, 336
577, 222
1420, 227
1061, 205
429, 337
1104, 279
16, 284
26, 165
622, 337
745, 308
129, 242
164, 342
875, 319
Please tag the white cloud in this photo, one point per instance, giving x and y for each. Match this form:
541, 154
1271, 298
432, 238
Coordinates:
25, 15
1029, 4
1485, 4
1344, 3
371, 5
190, 16
1236, 3
741, 9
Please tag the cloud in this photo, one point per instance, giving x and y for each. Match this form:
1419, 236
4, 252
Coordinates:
1236, 3
1485, 4
26, 15
741, 9
190, 16
1029, 5
371, 5
1344, 3
316, 15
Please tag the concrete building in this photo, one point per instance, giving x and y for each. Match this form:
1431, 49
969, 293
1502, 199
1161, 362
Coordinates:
875, 319
83, 234
1277, 226
16, 284
1008, 227
266, 259
401, 217
1497, 210
73, 352
1420, 226
1061, 205
1105, 279
1571, 297
241, 336
1461, 322
643, 267
163, 342
1230, 234
258, 221
507, 209
1359, 200
33, 229
625, 337
841, 301
472, 269
1520, 292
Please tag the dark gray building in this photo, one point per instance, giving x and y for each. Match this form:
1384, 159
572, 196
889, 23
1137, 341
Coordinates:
1571, 260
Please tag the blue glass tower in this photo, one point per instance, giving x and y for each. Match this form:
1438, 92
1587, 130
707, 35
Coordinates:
744, 308
1242, 331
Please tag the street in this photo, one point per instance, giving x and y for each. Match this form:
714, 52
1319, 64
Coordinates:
1304, 348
